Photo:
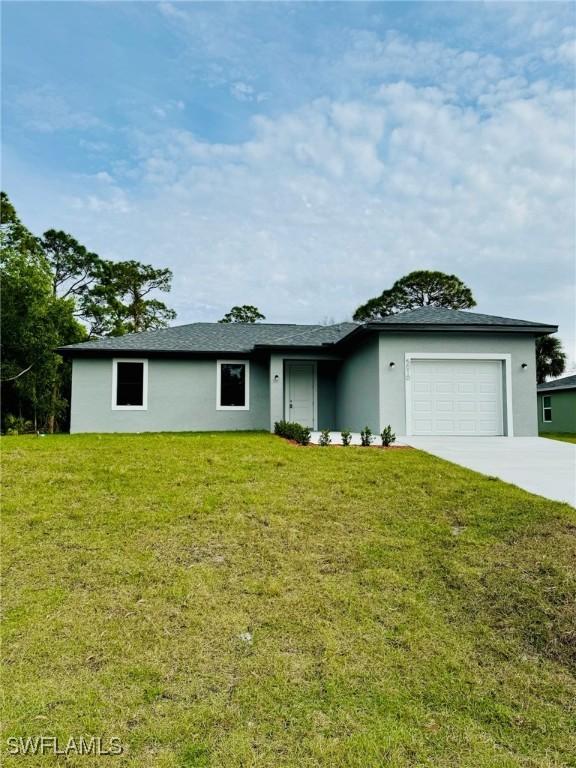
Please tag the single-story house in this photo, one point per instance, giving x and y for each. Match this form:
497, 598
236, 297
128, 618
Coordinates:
557, 405
428, 371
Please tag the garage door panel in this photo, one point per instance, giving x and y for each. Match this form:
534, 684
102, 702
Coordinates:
462, 397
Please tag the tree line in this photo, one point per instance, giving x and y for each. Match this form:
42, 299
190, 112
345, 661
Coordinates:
54, 292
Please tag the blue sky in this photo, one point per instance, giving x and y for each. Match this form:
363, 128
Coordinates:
301, 157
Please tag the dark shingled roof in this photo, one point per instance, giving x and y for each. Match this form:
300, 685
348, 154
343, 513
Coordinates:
442, 316
206, 338
216, 337
566, 382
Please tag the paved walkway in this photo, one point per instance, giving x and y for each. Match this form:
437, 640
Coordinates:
536, 464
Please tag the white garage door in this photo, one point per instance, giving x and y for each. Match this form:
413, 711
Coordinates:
456, 397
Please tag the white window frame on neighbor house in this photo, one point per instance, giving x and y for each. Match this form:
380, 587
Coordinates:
546, 408
246, 406
508, 419
144, 406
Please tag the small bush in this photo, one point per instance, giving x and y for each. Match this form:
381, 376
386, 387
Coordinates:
293, 431
366, 437
387, 436
325, 438
346, 436
17, 425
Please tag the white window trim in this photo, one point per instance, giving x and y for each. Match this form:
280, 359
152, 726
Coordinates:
505, 358
144, 406
296, 361
246, 406
546, 408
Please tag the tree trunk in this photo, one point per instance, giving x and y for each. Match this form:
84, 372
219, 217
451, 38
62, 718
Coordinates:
52, 415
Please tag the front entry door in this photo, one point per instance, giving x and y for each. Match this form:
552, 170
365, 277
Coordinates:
300, 393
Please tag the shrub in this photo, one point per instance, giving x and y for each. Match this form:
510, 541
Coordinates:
387, 436
304, 435
346, 436
17, 425
292, 431
325, 438
366, 436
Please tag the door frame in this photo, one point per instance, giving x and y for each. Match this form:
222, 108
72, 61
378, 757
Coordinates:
506, 359
314, 366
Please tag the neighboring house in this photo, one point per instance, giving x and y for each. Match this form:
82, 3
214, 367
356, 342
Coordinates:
427, 372
557, 405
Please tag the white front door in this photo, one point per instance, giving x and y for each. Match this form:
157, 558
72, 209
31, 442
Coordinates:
456, 397
300, 393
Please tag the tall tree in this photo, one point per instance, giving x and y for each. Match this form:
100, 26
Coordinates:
421, 288
118, 303
48, 284
34, 323
74, 268
243, 314
550, 358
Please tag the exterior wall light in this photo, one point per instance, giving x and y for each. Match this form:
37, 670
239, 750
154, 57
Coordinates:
392, 364
524, 365
276, 377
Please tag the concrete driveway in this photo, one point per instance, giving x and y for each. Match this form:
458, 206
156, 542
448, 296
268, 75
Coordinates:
536, 464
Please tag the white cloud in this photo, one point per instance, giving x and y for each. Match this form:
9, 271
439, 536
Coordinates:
244, 92
327, 205
46, 110
443, 158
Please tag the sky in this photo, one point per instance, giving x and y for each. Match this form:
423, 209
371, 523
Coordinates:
302, 157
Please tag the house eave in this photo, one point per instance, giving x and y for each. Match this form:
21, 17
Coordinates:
66, 352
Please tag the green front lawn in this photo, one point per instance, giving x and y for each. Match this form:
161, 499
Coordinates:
567, 437
234, 600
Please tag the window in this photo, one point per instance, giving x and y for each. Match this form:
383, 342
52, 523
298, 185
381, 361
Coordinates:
130, 385
232, 385
546, 408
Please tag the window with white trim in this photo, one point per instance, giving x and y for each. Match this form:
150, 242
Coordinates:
233, 385
130, 385
546, 408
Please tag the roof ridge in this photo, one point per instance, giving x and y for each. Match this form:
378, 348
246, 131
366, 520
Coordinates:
309, 329
449, 312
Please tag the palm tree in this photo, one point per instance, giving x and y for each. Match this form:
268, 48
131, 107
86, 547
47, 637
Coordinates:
550, 358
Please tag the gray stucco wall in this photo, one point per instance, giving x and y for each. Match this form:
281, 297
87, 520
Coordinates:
327, 383
393, 347
181, 397
358, 388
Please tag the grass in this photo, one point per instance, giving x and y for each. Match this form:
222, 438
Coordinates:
233, 600
567, 437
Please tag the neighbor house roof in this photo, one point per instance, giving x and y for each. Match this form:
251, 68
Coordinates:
566, 382
235, 338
